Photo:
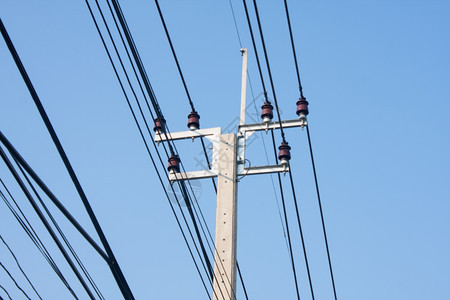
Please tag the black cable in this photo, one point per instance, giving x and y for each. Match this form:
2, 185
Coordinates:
45, 222
115, 268
321, 212
274, 146
146, 145
286, 220
17, 157
293, 49
255, 49
261, 134
61, 233
20, 268
174, 55
242, 280
15, 282
9, 297
301, 232
34, 237
189, 99
135, 96
181, 184
268, 70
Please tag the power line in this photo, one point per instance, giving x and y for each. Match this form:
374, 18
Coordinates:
137, 101
7, 294
20, 268
293, 49
61, 233
261, 134
45, 222
113, 264
268, 69
14, 280
301, 233
286, 220
18, 158
274, 148
310, 150
34, 237
174, 55
193, 110
141, 133
321, 212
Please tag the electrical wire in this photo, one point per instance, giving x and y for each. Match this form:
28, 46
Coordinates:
143, 137
193, 109
321, 212
275, 154
29, 230
268, 70
187, 201
7, 294
45, 222
61, 233
284, 139
120, 60
301, 233
17, 157
20, 268
114, 266
182, 79
293, 49
261, 134
14, 280
297, 289
310, 150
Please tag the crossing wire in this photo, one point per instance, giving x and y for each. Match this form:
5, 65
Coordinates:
311, 151
146, 145
61, 233
261, 134
283, 137
181, 186
154, 102
113, 264
189, 206
193, 109
182, 79
275, 154
14, 280
321, 212
137, 101
45, 222
268, 69
29, 230
20, 267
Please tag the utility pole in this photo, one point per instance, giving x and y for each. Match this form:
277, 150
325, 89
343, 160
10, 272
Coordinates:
228, 162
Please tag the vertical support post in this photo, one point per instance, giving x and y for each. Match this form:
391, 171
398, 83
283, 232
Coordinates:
243, 85
226, 225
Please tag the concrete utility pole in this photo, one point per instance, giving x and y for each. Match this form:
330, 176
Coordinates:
228, 162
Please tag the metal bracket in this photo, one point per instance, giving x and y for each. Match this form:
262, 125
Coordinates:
251, 128
281, 168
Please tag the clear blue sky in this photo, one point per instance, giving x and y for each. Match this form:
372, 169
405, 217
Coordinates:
377, 76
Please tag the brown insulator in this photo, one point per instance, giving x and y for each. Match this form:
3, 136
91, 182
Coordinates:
159, 124
302, 108
267, 112
285, 154
174, 164
193, 121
